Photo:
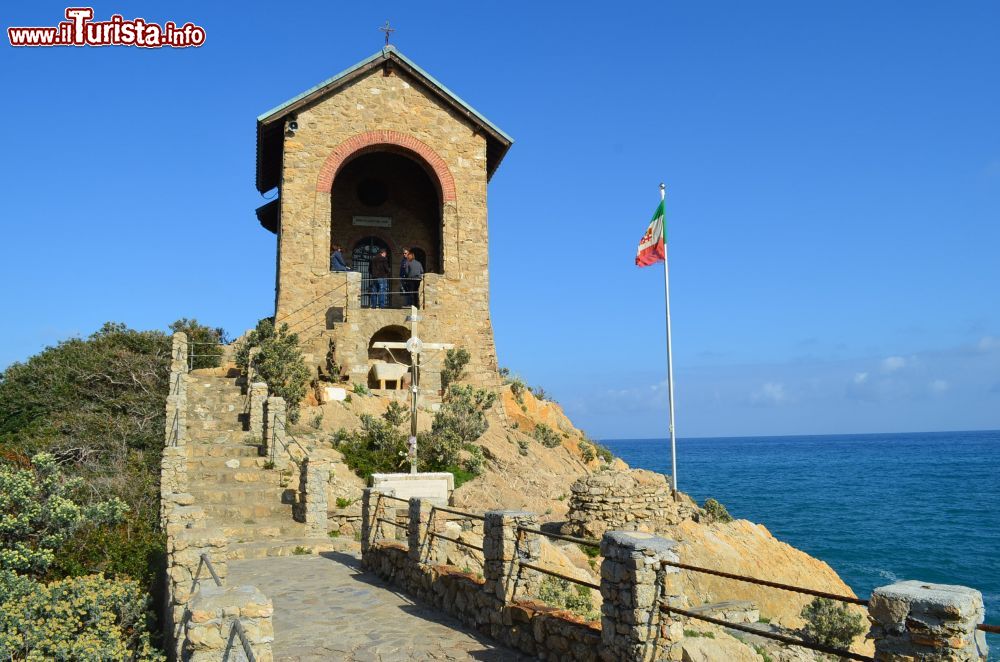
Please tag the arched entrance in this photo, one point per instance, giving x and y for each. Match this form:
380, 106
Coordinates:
387, 198
384, 363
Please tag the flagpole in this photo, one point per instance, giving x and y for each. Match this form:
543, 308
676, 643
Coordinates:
670, 358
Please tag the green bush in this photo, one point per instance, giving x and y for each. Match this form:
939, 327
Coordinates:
279, 362
463, 413
396, 414
546, 436
80, 618
587, 450
565, 595
455, 361
540, 393
716, 512
204, 342
830, 623
360, 389
379, 446
38, 514
375, 448
517, 387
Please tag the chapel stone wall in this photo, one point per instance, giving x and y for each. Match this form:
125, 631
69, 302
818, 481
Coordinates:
397, 114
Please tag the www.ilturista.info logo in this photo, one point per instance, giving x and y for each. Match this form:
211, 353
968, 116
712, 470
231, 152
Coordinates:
81, 30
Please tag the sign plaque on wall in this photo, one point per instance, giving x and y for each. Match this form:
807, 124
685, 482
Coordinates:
373, 221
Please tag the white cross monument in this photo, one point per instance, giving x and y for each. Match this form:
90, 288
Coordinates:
415, 346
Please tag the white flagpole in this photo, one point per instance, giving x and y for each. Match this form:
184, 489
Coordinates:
670, 358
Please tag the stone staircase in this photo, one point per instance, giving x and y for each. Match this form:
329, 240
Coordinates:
228, 478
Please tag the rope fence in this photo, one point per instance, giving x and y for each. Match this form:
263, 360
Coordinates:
846, 654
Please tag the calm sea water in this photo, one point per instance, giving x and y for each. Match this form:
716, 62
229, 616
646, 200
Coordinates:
876, 507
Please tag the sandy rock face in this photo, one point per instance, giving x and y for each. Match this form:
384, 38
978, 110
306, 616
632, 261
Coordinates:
703, 649
744, 548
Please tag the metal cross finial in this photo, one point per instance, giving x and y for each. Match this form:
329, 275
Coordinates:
387, 30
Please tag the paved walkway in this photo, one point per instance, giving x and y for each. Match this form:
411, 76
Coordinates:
328, 608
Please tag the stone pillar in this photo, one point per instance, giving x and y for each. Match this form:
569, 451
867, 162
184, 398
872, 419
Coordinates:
503, 551
314, 477
352, 292
187, 574
175, 425
370, 507
916, 621
275, 435
258, 394
633, 585
179, 353
251, 376
210, 633
420, 544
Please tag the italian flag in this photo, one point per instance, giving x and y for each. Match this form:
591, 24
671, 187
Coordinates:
653, 245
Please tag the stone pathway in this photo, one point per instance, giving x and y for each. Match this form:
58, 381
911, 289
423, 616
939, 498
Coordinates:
327, 607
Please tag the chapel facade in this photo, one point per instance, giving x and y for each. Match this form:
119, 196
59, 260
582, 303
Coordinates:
381, 156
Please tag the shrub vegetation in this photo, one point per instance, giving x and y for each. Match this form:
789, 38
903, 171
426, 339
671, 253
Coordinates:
546, 436
716, 512
455, 361
279, 362
204, 342
830, 623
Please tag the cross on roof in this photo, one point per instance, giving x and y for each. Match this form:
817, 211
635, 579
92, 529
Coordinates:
387, 30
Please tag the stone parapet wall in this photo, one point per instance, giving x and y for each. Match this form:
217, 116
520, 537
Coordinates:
634, 500
528, 626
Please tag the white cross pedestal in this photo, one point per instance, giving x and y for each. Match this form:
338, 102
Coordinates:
415, 346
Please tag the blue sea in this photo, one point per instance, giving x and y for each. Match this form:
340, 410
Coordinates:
876, 507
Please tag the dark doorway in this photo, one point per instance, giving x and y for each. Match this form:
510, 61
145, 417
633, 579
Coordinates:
364, 251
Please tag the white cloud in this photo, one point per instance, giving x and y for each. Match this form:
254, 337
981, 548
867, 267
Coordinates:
939, 386
769, 393
988, 344
893, 363
861, 378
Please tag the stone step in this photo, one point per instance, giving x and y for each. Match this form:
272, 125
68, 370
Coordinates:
236, 494
289, 547
222, 450
219, 463
232, 477
235, 513
258, 530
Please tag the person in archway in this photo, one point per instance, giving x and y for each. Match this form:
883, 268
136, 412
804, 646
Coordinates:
414, 274
337, 259
378, 286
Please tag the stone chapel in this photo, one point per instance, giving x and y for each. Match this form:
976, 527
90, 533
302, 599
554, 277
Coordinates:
380, 156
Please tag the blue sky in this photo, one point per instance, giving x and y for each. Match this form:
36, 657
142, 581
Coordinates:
833, 174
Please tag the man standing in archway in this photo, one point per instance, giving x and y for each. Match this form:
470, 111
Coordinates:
378, 272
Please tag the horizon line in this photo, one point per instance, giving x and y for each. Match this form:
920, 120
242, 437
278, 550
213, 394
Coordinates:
780, 436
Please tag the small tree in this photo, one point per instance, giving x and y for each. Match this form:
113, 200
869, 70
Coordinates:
279, 362
831, 624
204, 342
455, 361
464, 413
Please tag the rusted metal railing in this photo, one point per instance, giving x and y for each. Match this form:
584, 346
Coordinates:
764, 582
846, 654
459, 512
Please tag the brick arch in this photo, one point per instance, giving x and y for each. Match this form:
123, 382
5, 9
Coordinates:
373, 141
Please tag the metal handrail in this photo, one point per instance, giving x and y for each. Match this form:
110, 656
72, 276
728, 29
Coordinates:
434, 534
558, 536
553, 573
176, 427
389, 521
394, 498
986, 627
762, 582
208, 564
247, 649
288, 434
768, 635
459, 512
342, 286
